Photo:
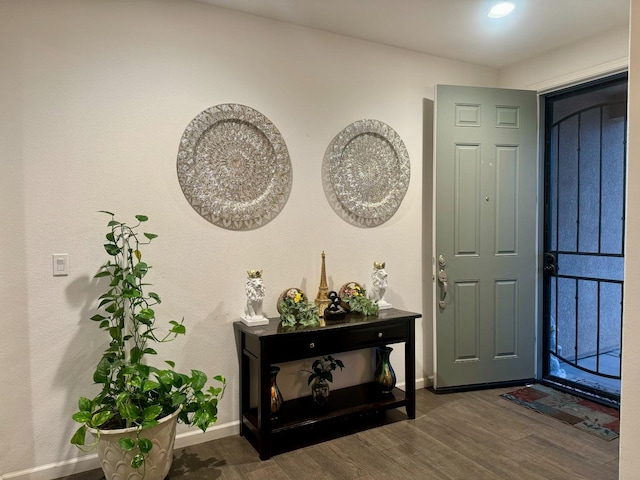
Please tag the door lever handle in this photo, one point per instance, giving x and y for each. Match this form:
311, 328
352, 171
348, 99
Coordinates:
443, 279
550, 264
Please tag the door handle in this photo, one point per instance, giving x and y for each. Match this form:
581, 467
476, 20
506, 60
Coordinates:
443, 279
550, 264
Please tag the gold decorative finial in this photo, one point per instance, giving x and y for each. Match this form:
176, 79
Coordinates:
254, 273
322, 299
378, 265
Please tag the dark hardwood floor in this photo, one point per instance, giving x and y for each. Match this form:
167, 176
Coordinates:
457, 436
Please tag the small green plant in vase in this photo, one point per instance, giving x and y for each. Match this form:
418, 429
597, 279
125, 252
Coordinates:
322, 372
135, 397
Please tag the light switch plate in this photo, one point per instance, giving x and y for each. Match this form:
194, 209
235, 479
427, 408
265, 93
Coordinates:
60, 264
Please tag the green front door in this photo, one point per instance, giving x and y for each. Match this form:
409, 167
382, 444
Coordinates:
485, 195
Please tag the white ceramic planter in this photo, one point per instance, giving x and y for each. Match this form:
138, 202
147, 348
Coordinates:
116, 463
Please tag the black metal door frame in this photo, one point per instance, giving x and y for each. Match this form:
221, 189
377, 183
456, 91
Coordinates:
552, 251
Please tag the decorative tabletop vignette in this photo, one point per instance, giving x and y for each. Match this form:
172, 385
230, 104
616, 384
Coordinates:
366, 173
234, 167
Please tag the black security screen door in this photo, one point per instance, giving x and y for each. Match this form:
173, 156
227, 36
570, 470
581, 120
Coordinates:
585, 165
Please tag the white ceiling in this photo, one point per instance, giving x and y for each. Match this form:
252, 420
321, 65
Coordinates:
455, 29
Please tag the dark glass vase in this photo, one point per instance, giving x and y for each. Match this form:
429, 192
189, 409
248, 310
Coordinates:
320, 391
384, 375
276, 395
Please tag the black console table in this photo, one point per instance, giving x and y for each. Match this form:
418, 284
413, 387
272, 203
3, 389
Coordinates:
262, 346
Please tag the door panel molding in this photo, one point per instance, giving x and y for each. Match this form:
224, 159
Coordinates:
506, 318
467, 188
507, 173
467, 321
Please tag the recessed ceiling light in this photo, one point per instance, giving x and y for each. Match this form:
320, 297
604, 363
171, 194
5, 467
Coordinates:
501, 9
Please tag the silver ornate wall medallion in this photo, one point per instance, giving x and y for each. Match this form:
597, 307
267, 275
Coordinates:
366, 172
234, 167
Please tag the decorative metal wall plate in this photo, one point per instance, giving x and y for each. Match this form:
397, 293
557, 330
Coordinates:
366, 172
234, 167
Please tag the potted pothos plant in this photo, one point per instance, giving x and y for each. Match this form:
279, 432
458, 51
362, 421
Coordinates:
137, 398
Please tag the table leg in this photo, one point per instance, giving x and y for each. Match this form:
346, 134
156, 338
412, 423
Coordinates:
410, 369
245, 385
264, 407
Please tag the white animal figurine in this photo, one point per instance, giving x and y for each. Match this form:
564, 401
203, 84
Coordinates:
379, 277
255, 294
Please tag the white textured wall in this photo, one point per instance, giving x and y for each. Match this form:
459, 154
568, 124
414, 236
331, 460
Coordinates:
94, 98
630, 406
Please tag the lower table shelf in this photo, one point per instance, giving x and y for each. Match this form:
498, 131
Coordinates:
345, 406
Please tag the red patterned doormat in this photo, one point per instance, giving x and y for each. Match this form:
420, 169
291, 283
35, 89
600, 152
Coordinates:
591, 417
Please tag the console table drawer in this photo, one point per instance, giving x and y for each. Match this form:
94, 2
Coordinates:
378, 334
296, 347
313, 344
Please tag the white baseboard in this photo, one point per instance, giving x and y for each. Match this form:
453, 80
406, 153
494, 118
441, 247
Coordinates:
90, 462
56, 470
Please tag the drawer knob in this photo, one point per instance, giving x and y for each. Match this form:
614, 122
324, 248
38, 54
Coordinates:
379, 334
312, 345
